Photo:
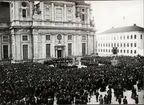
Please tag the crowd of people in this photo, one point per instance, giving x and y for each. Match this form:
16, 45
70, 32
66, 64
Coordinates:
34, 83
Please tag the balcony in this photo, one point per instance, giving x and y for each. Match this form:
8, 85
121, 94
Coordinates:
17, 23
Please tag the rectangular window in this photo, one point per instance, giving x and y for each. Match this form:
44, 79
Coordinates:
47, 37
135, 44
47, 50
131, 51
25, 52
131, 45
58, 14
124, 44
69, 37
127, 44
5, 38
131, 36
83, 49
135, 51
141, 36
83, 17
134, 36
24, 13
124, 51
24, 38
69, 49
5, 51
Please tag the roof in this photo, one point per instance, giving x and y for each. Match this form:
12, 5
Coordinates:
124, 29
78, 2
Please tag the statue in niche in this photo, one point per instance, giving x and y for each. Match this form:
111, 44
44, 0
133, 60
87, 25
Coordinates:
77, 12
37, 9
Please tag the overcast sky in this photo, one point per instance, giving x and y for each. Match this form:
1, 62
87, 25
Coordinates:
108, 14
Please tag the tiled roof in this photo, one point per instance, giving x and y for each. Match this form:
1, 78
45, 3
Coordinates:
124, 29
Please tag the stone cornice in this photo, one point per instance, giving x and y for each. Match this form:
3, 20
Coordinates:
53, 27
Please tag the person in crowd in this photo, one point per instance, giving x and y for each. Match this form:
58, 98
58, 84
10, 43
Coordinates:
106, 101
125, 100
119, 99
101, 99
136, 99
134, 93
97, 95
36, 83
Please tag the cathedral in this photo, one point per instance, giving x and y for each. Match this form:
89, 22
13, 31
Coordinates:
38, 31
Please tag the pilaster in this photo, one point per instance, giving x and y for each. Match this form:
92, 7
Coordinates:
42, 10
35, 45
74, 13
88, 15
52, 13
65, 12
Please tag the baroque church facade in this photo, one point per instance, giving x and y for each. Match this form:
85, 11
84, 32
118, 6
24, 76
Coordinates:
48, 29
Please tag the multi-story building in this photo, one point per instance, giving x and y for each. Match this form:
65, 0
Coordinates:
49, 29
128, 40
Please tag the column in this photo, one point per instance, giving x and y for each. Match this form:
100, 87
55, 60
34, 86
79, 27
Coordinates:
52, 12
87, 45
35, 45
55, 53
74, 12
10, 56
43, 47
16, 11
74, 45
64, 50
88, 15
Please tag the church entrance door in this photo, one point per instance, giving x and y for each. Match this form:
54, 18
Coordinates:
59, 53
